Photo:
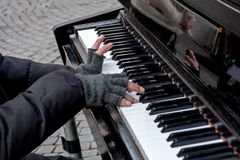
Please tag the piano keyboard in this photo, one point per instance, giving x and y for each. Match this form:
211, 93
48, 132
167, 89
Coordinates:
169, 122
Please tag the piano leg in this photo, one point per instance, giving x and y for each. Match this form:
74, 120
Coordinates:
70, 140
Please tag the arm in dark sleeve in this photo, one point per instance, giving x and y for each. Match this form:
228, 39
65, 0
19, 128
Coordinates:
33, 115
18, 74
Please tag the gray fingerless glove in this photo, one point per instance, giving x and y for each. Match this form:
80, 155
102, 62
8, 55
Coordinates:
93, 65
103, 89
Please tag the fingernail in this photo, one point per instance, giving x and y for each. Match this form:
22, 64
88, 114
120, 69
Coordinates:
142, 89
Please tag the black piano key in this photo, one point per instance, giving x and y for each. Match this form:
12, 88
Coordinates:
108, 26
160, 98
112, 31
146, 82
184, 124
166, 104
195, 136
117, 39
149, 79
141, 74
165, 86
168, 117
140, 57
172, 136
117, 36
138, 66
124, 45
138, 49
126, 54
218, 154
114, 35
133, 57
125, 41
158, 85
170, 108
137, 63
222, 158
190, 150
153, 83
144, 68
159, 93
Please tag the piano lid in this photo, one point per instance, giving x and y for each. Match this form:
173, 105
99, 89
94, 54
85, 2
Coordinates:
213, 38
225, 11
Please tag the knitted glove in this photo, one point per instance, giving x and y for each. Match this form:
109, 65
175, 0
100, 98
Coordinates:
103, 89
93, 65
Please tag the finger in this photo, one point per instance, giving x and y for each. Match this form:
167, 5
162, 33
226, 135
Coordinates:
190, 61
191, 54
104, 49
135, 87
113, 99
98, 42
130, 98
125, 103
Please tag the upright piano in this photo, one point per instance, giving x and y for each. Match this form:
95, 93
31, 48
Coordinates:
181, 115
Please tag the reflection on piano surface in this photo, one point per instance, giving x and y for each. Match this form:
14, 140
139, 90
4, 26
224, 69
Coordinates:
178, 116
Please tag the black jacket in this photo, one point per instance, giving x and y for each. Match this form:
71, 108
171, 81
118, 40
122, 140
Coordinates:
40, 99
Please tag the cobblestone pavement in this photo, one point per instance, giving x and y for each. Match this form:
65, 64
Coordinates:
26, 32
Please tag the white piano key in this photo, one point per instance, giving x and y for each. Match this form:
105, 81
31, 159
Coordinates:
108, 56
87, 37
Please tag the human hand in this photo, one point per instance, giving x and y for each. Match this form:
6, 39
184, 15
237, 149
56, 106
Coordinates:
95, 58
191, 60
109, 89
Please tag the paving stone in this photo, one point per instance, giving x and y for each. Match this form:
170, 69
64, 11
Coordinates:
86, 138
58, 149
85, 145
93, 158
45, 149
85, 131
59, 141
89, 153
50, 141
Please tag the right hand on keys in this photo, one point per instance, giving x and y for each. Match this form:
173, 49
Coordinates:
109, 89
102, 89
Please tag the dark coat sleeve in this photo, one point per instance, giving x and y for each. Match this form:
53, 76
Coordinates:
18, 74
33, 115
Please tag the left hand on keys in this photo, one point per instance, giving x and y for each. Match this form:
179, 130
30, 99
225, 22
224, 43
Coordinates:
95, 58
